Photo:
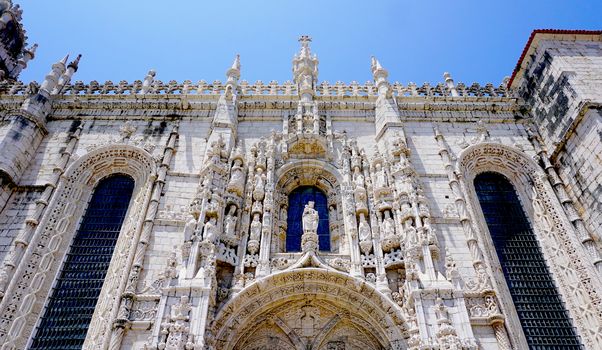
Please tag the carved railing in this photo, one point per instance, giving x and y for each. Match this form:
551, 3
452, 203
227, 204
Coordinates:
259, 88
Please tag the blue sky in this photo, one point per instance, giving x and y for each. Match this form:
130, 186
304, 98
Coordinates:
415, 40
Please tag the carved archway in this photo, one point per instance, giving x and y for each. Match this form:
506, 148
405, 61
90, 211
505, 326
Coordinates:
33, 279
574, 274
309, 308
324, 176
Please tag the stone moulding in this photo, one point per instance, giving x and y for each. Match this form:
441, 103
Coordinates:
354, 298
33, 279
573, 272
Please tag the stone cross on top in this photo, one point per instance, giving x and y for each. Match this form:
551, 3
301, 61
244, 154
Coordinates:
305, 40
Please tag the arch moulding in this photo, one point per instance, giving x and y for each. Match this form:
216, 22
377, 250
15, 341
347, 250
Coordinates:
279, 301
573, 273
34, 278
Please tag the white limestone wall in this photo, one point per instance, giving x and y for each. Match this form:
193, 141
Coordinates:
581, 169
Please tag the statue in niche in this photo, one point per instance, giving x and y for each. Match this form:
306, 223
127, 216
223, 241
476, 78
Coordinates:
358, 178
332, 213
230, 235
365, 234
310, 218
283, 214
255, 228
210, 230
388, 224
259, 190
255, 235
189, 228
381, 177
237, 178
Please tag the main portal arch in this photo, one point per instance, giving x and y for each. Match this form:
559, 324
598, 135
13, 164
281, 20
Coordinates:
309, 308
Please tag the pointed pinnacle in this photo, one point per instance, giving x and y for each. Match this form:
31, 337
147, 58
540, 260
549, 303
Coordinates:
64, 60
32, 49
375, 64
236, 63
75, 63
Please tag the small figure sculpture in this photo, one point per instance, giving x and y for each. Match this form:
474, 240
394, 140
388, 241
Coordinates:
388, 224
189, 228
310, 218
255, 235
237, 178
210, 230
358, 178
381, 177
230, 237
259, 191
365, 235
255, 228
364, 229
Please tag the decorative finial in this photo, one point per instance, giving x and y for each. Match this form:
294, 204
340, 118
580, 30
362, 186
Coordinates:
450, 84
305, 40
236, 63
64, 60
305, 69
75, 63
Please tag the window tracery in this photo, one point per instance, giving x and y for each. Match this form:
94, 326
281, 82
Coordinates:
539, 307
73, 300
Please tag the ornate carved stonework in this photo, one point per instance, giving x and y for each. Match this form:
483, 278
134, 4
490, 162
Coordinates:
217, 253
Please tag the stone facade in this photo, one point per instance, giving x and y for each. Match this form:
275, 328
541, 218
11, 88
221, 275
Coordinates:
201, 260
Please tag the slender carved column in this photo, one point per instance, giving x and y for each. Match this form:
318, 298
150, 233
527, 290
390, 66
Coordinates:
263, 267
483, 279
585, 237
127, 297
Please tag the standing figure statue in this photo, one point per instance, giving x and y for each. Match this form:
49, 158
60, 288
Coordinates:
310, 218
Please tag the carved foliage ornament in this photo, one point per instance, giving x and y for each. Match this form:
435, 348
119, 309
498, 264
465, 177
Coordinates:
575, 275
33, 278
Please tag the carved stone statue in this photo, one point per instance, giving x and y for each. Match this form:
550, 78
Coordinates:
189, 228
255, 235
259, 190
365, 235
237, 178
255, 228
364, 229
388, 238
310, 218
358, 178
210, 230
388, 224
230, 236
381, 177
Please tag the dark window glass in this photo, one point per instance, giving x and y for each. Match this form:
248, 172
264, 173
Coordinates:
73, 299
542, 314
296, 203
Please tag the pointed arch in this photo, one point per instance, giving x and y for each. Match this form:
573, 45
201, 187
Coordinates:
31, 285
573, 273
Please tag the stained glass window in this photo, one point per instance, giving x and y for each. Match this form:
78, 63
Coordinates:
70, 307
542, 314
296, 203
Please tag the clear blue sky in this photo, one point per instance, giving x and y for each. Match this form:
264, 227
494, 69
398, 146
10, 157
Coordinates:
415, 40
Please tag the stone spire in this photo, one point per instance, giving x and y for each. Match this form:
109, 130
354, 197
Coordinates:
305, 69
380, 76
232, 75
52, 78
449, 82
66, 77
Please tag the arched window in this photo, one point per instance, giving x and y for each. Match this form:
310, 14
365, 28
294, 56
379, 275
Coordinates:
70, 307
297, 200
542, 314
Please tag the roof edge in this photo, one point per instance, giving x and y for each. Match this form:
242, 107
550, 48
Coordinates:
523, 61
